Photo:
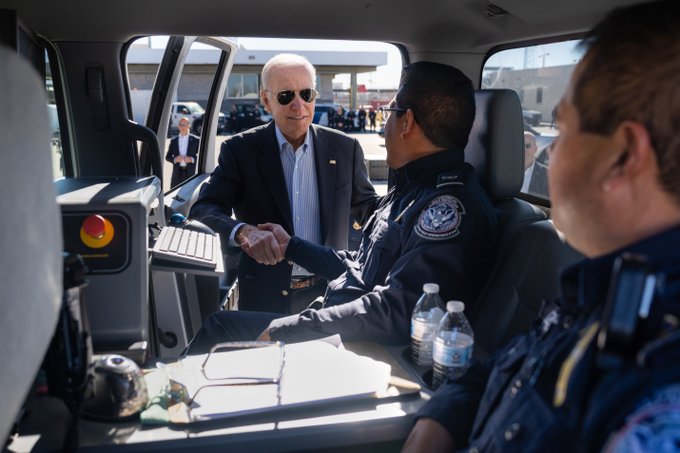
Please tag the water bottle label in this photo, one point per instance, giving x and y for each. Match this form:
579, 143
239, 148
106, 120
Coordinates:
421, 330
455, 354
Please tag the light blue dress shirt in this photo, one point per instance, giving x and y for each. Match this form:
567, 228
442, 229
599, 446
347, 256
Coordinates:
303, 192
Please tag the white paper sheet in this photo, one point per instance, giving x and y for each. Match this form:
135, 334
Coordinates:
313, 371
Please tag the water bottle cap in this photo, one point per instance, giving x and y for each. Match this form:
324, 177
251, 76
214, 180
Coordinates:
455, 306
431, 288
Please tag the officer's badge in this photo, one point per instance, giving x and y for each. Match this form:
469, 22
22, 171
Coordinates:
653, 426
441, 218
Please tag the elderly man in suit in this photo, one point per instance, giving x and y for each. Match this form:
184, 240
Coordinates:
305, 177
182, 153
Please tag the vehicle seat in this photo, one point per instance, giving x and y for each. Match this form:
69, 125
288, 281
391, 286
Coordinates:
531, 251
30, 233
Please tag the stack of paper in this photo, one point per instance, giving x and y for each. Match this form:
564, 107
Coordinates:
313, 372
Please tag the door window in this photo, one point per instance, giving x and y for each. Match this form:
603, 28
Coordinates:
539, 74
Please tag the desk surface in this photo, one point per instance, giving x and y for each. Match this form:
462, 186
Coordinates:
378, 426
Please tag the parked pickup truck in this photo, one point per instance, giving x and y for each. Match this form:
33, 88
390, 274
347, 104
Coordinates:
195, 113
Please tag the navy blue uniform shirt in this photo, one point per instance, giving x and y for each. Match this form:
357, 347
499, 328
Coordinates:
545, 392
435, 225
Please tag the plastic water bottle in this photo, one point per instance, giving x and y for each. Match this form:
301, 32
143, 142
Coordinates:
453, 342
426, 315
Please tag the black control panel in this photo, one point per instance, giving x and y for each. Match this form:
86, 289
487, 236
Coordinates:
107, 252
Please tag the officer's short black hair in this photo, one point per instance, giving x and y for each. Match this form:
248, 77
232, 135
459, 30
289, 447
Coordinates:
442, 100
631, 72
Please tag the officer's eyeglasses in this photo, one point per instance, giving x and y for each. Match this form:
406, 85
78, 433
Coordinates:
285, 97
387, 111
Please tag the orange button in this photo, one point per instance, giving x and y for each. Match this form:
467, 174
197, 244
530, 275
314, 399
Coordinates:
96, 231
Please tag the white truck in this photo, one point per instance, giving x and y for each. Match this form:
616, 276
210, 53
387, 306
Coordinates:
195, 113
190, 109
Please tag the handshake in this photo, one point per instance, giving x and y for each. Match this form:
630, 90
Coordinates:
265, 243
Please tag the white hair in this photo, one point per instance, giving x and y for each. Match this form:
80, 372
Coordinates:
287, 60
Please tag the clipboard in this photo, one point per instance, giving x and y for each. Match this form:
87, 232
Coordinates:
271, 378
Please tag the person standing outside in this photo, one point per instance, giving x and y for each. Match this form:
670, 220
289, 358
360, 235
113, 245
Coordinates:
371, 119
379, 119
233, 120
349, 124
535, 173
182, 153
436, 224
306, 177
362, 119
258, 114
590, 377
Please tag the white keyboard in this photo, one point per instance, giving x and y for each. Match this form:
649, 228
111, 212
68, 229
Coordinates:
185, 247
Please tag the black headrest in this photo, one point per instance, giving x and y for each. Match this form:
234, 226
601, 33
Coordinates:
496, 144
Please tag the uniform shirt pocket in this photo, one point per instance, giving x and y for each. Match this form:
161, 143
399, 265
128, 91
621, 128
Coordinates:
385, 248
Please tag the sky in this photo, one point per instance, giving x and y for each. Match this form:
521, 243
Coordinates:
544, 55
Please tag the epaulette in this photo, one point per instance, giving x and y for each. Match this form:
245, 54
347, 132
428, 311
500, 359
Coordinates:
450, 178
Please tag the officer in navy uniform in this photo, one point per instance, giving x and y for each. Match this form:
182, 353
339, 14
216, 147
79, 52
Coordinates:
601, 372
435, 225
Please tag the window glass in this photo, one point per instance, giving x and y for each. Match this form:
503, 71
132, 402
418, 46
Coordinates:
351, 77
539, 75
190, 99
243, 86
56, 143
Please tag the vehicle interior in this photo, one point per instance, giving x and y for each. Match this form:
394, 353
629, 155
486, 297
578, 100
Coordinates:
86, 166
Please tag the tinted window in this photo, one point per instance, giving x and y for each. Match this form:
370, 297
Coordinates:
539, 75
58, 163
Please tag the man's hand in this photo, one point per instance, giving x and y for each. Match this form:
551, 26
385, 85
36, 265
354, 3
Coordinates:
178, 158
279, 233
260, 245
430, 436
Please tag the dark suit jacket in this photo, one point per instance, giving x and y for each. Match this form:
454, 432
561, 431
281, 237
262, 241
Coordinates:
179, 174
249, 182
539, 180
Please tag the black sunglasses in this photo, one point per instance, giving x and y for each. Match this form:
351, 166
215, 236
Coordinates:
285, 97
386, 111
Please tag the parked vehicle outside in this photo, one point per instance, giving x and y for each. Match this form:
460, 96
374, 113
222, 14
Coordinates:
247, 116
321, 113
532, 117
195, 113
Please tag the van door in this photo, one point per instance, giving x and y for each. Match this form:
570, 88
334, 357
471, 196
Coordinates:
193, 71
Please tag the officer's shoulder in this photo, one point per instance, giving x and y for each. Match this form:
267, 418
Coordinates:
440, 216
442, 206
652, 424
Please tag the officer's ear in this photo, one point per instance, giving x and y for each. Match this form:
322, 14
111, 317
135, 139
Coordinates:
407, 122
632, 156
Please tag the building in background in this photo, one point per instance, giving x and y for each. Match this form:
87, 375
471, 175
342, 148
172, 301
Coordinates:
244, 82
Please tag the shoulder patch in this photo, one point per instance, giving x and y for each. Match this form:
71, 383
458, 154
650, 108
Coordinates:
653, 426
441, 218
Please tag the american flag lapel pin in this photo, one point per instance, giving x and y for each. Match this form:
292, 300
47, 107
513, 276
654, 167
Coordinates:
331, 162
